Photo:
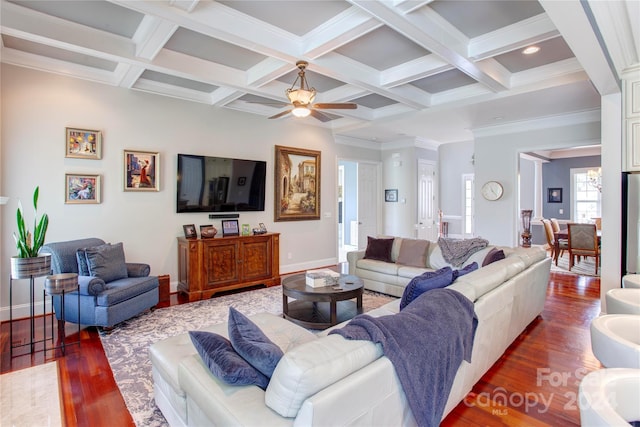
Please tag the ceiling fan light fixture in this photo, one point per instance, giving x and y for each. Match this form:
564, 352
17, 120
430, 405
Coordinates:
301, 111
301, 96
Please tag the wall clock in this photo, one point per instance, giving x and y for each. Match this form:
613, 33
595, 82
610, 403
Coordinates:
492, 190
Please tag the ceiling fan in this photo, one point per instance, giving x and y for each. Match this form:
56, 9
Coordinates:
302, 99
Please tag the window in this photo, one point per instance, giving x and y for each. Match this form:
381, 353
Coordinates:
585, 196
467, 203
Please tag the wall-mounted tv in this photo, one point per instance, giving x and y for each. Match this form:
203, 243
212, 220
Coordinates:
219, 184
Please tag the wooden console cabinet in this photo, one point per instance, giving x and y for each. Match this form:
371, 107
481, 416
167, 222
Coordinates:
207, 266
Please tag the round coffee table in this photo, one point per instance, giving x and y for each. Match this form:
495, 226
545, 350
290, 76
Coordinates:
320, 308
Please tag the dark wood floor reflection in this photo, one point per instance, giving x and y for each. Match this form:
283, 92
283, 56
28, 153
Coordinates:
534, 383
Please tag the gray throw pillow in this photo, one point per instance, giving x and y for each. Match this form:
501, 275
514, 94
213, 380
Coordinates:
218, 355
413, 252
107, 262
252, 344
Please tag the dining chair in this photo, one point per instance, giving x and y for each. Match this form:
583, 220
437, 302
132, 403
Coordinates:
548, 231
555, 224
583, 241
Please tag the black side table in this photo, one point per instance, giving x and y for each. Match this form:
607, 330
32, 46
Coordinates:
59, 285
32, 275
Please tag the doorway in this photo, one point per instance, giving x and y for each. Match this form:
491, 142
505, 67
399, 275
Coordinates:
358, 204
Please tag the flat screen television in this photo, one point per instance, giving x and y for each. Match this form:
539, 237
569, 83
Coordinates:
219, 184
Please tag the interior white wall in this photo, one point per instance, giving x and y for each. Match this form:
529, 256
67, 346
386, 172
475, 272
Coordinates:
36, 108
454, 160
497, 157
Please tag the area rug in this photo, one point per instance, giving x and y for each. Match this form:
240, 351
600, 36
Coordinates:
31, 397
126, 346
586, 266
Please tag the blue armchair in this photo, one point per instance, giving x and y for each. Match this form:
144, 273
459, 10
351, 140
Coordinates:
111, 290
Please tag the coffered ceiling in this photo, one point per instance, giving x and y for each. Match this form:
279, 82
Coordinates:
429, 70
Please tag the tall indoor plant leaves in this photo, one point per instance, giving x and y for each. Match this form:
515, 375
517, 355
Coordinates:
24, 238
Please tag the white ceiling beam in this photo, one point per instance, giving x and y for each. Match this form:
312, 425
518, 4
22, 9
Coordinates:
572, 22
418, 26
338, 31
126, 75
186, 5
524, 33
151, 36
413, 70
347, 70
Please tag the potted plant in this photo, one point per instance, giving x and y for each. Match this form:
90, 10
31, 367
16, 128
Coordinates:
29, 263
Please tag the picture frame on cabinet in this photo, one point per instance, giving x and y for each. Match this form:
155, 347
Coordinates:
190, 231
82, 188
230, 227
83, 143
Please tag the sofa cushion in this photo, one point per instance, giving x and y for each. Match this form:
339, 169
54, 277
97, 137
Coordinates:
413, 252
494, 255
308, 368
378, 266
425, 282
378, 249
218, 355
107, 262
252, 344
125, 289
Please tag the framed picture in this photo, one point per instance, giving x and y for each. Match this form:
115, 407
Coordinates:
141, 171
83, 144
246, 229
230, 227
262, 227
81, 188
391, 195
554, 195
297, 182
190, 231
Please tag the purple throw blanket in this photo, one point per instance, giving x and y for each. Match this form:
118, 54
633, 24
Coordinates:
426, 342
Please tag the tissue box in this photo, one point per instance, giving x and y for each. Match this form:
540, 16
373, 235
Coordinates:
322, 277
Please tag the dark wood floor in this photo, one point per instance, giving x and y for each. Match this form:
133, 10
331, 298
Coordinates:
535, 383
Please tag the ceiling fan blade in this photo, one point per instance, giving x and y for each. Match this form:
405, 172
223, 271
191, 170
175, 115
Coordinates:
280, 114
337, 106
318, 115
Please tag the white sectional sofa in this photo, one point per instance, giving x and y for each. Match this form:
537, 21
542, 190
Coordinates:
326, 380
391, 277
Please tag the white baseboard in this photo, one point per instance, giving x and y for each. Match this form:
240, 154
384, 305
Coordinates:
22, 311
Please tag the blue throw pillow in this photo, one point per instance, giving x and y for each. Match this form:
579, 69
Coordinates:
252, 344
425, 282
466, 270
107, 262
223, 361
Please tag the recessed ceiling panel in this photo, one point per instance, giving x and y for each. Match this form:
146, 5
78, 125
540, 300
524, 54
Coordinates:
98, 14
374, 101
214, 50
551, 51
320, 82
178, 81
441, 82
474, 18
59, 54
297, 17
262, 100
382, 48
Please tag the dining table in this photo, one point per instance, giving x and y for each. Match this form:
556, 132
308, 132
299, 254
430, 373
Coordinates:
563, 234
